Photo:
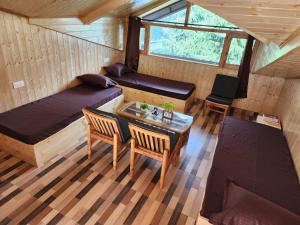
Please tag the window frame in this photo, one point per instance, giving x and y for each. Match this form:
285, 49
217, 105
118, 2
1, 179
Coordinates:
229, 35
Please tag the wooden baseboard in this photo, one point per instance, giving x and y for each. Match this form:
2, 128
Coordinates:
132, 94
40, 153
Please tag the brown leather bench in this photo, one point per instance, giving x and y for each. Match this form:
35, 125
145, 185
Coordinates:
180, 93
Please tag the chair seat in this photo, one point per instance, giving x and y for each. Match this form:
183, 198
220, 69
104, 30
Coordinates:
220, 100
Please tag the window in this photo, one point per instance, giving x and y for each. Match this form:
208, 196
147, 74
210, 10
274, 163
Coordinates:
142, 38
236, 51
177, 17
198, 36
199, 15
187, 44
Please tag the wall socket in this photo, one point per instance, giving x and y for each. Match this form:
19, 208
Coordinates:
106, 61
18, 84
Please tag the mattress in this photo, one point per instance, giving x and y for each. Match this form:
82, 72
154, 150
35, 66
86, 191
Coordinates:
257, 158
157, 85
36, 121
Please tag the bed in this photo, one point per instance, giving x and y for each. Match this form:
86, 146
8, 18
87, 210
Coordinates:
38, 131
257, 158
156, 90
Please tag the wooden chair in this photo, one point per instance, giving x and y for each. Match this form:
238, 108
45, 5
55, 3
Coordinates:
154, 144
109, 128
222, 95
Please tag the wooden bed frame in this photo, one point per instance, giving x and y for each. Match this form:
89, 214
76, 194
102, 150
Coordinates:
71, 136
132, 94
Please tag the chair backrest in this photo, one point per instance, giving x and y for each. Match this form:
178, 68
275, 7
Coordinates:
103, 125
225, 86
150, 140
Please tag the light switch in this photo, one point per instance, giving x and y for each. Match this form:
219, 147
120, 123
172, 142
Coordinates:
18, 84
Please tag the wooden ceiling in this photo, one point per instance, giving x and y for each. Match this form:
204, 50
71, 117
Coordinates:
74, 8
50, 8
267, 20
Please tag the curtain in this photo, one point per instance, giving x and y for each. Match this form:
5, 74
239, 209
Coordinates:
133, 43
244, 69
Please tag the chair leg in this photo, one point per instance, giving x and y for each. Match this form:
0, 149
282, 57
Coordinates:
89, 148
164, 169
204, 108
132, 158
116, 147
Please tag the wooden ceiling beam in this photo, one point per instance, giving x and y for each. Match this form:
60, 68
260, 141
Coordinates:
102, 11
149, 7
291, 37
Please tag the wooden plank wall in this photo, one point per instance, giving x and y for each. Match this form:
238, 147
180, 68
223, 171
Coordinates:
108, 31
263, 90
46, 60
288, 109
274, 60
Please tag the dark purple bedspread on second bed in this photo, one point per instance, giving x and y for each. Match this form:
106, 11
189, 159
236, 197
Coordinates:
258, 159
157, 85
36, 121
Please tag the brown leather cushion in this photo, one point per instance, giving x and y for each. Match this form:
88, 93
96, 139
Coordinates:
36, 121
242, 207
157, 85
257, 157
97, 80
117, 69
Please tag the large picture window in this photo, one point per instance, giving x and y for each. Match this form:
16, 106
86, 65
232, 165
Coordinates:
187, 44
189, 32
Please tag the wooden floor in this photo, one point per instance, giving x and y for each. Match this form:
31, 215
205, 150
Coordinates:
74, 190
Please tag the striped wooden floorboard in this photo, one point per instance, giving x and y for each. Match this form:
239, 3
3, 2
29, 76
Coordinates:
74, 190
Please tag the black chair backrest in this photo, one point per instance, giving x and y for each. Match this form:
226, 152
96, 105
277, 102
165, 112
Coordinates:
225, 86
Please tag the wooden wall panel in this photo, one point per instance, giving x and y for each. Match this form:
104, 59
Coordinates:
274, 60
108, 31
46, 60
288, 109
263, 90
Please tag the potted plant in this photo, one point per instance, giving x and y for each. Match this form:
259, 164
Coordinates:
144, 106
168, 110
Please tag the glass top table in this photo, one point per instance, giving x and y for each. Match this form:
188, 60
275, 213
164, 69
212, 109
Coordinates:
153, 115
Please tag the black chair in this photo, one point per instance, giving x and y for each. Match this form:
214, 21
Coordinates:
222, 94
